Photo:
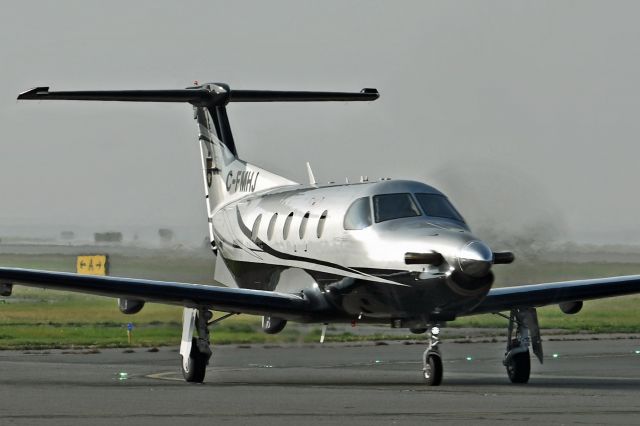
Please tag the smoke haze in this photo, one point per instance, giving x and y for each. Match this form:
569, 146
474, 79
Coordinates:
524, 113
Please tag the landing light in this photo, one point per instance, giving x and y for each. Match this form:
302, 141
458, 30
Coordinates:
556, 355
469, 358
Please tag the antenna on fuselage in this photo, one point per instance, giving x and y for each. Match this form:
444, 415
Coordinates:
312, 178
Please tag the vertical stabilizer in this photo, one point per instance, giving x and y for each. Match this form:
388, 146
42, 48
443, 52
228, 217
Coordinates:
227, 178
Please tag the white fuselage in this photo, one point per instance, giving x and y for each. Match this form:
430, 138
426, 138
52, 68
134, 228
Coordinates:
266, 233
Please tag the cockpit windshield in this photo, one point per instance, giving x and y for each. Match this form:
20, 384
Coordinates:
394, 206
437, 205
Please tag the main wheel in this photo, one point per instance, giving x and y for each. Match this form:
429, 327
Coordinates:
519, 367
196, 365
432, 371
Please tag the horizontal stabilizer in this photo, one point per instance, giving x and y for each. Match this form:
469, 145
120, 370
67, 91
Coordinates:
194, 96
216, 94
289, 96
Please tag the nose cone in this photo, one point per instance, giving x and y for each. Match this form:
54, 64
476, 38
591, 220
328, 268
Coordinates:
475, 259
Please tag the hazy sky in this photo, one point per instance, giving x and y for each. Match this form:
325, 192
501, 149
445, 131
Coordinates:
525, 113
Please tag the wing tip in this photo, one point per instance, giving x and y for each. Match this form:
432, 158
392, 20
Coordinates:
35, 93
372, 93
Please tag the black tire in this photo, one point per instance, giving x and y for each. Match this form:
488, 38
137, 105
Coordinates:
432, 372
519, 367
196, 366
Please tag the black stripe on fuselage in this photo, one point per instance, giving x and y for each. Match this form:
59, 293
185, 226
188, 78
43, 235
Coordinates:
382, 273
285, 256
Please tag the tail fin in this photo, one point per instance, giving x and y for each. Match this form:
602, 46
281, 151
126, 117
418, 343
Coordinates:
226, 177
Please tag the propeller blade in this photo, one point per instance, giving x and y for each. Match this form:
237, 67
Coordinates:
503, 257
434, 258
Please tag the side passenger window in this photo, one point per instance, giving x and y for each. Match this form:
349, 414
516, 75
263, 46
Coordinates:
287, 226
321, 221
272, 225
256, 228
303, 225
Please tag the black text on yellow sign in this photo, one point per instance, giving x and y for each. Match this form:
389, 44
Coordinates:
92, 264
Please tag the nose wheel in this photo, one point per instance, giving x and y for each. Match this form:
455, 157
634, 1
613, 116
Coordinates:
432, 360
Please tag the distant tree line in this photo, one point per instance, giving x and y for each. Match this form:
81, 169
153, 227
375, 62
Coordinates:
107, 237
67, 235
166, 235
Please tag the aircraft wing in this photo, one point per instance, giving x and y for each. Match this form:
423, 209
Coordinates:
237, 300
507, 298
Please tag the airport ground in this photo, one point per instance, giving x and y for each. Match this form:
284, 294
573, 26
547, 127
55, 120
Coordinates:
289, 378
581, 382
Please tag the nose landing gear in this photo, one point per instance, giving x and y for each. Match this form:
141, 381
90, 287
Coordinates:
432, 360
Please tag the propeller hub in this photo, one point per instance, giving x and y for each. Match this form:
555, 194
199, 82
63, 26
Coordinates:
475, 259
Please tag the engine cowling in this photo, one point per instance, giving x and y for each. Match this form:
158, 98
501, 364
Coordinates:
6, 289
272, 325
571, 308
130, 306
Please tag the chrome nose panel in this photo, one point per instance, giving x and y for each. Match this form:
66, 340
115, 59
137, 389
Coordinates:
475, 259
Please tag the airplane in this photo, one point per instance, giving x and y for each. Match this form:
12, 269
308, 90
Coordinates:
391, 252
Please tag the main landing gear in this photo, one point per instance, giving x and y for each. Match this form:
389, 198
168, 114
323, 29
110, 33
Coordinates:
196, 351
517, 359
523, 332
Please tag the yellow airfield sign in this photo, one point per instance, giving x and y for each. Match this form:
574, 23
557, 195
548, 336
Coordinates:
92, 264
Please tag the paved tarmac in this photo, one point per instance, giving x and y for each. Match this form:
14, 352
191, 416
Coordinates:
587, 382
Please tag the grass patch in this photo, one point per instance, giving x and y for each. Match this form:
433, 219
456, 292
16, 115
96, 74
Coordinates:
613, 315
36, 318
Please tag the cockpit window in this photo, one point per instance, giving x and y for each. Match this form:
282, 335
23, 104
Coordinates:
358, 214
394, 206
438, 206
